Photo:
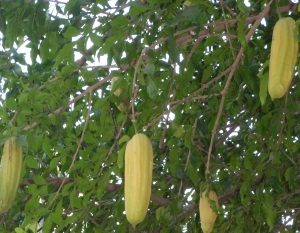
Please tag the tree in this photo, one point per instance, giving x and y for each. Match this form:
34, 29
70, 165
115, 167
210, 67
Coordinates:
194, 80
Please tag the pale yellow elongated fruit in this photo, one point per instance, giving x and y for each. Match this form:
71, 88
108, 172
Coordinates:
118, 92
207, 215
284, 50
138, 178
10, 172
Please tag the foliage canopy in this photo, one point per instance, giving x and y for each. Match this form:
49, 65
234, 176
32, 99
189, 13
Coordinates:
196, 77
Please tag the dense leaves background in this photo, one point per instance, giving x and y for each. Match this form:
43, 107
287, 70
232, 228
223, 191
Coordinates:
197, 77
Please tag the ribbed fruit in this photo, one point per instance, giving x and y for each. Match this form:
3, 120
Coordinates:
284, 50
10, 172
207, 215
138, 178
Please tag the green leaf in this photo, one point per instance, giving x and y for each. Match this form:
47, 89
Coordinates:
102, 184
22, 140
248, 163
178, 130
73, 218
138, 8
172, 49
263, 88
149, 69
46, 146
241, 6
66, 189
97, 40
2, 22
11, 103
270, 215
89, 137
174, 161
119, 22
121, 155
290, 176
206, 74
75, 201
193, 173
68, 69
70, 4
32, 226
110, 41
124, 138
53, 163
56, 216
19, 230
152, 89
47, 224
193, 14
64, 54
100, 104
158, 212
240, 28
32, 189
39, 180
31, 162
71, 32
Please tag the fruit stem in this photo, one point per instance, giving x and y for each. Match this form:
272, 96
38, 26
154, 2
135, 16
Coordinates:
135, 129
278, 11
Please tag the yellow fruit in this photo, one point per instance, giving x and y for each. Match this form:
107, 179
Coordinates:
207, 215
117, 93
138, 178
284, 50
10, 172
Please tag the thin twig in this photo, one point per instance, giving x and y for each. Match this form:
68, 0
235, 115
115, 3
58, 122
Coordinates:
100, 66
200, 97
56, 1
94, 221
200, 38
54, 181
223, 138
231, 12
136, 70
